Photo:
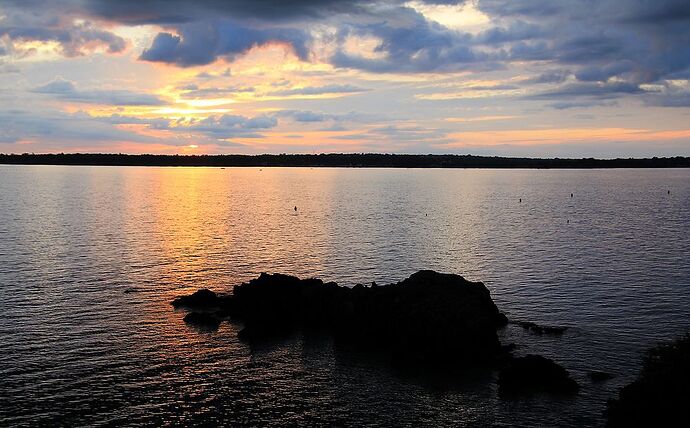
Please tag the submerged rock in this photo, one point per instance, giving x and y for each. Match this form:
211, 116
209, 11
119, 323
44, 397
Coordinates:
202, 319
540, 329
428, 316
599, 376
534, 373
661, 394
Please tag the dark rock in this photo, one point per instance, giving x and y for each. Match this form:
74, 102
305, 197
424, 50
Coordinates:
660, 397
202, 319
534, 373
430, 316
202, 299
540, 329
598, 376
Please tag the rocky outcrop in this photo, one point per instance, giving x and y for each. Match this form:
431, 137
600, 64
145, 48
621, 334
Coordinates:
428, 316
661, 394
203, 300
534, 373
540, 329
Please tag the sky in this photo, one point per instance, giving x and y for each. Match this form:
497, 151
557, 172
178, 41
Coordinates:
540, 78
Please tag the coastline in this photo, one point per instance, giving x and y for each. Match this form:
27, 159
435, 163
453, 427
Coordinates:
339, 160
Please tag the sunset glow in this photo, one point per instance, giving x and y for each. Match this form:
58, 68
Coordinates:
420, 77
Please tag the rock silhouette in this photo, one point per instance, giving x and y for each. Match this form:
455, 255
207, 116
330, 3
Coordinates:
540, 329
203, 320
599, 376
534, 373
661, 394
428, 316
203, 299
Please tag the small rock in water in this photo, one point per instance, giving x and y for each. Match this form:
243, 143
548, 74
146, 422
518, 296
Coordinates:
202, 319
534, 373
540, 329
599, 376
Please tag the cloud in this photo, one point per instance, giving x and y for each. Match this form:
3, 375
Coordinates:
74, 38
182, 11
203, 43
193, 91
320, 90
67, 129
409, 43
555, 76
399, 136
137, 12
307, 116
230, 126
67, 90
636, 41
595, 90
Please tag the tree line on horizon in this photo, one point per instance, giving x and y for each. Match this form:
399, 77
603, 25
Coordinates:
353, 160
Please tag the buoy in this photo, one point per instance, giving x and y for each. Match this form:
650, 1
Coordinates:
520, 199
295, 208
568, 221
668, 192
571, 195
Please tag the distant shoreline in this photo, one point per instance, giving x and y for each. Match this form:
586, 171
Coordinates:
342, 160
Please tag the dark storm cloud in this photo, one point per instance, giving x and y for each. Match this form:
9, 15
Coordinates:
638, 41
181, 11
67, 90
203, 43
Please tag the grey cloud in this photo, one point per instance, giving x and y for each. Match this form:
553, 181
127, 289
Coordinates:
73, 38
193, 91
320, 90
232, 126
557, 76
306, 116
631, 42
400, 135
418, 46
214, 127
669, 100
184, 11
67, 90
203, 43
516, 31
311, 116
564, 105
586, 89
69, 129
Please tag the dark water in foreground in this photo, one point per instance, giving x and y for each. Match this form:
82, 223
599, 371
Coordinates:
78, 350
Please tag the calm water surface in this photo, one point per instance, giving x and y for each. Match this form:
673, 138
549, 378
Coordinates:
90, 258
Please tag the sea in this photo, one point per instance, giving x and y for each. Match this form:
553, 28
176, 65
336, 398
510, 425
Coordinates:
91, 257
